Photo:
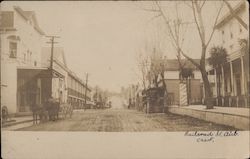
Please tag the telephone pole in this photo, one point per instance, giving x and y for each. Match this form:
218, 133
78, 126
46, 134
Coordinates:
52, 42
86, 89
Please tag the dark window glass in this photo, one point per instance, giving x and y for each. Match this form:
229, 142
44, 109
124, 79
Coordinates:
13, 49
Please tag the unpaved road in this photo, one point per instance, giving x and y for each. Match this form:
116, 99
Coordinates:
118, 120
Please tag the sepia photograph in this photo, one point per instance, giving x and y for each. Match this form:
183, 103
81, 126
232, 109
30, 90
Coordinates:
125, 79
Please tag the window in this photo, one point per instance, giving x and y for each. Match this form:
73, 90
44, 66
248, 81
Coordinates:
231, 35
222, 32
13, 49
240, 29
231, 47
30, 56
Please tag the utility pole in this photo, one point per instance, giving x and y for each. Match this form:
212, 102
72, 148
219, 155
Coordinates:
86, 89
96, 93
52, 42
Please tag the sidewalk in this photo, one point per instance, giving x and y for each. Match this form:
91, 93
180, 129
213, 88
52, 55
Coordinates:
225, 110
231, 116
17, 121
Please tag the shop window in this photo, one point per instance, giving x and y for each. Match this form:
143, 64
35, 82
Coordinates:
13, 49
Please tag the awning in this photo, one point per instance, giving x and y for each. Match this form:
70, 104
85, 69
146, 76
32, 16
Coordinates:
38, 73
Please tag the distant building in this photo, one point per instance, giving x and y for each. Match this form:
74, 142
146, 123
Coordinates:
21, 40
76, 91
233, 88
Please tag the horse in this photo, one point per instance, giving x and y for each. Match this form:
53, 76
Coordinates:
38, 110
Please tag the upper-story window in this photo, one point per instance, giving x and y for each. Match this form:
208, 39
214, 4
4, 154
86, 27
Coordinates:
29, 55
231, 35
24, 56
13, 49
240, 29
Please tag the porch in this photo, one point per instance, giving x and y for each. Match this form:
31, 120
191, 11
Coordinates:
33, 87
230, 82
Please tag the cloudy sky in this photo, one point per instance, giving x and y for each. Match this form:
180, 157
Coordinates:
103, 38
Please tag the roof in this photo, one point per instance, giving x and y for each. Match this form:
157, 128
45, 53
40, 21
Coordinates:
58, 55
173, 64
7, 19
228, 16
29, 15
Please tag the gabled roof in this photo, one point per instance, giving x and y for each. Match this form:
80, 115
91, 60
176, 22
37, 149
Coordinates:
29, 15
228, 16
173, 64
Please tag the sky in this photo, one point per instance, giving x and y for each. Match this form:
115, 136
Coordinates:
103, 38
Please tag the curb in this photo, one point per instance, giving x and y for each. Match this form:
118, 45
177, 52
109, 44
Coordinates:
16, 123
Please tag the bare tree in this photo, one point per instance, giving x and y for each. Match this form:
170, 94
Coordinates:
196, 8
143, 63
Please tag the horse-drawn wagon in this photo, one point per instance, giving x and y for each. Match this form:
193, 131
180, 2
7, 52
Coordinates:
51, 110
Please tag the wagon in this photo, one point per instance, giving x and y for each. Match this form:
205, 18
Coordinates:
51, 110
66, 109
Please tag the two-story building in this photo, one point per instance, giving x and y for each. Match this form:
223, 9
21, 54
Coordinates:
21, 40
233, 88
78, 92
59, 72
26, 74
182, 91
66, 85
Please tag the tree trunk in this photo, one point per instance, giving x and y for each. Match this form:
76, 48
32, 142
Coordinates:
165, 93
208, 91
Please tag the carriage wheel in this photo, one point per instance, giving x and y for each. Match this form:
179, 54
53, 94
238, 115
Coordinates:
64, 112
5, 114
70, 112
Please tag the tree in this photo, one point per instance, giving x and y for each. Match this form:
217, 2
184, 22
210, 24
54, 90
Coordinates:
185, 73
196, 8
143, 63
218, 57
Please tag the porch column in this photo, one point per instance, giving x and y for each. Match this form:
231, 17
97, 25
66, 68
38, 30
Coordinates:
216, 86
232, 82
232, 79
222, 84
242, 75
